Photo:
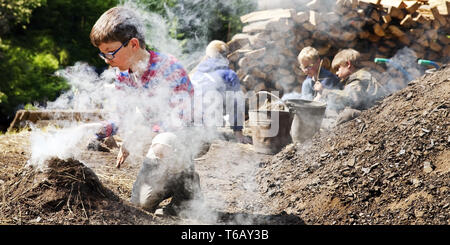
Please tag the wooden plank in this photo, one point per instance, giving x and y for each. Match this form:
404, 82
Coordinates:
393, 3
266, 15
376, 2
407, 21
314, 18
419, 19
386, 18
443, 6
412, 6
256, 27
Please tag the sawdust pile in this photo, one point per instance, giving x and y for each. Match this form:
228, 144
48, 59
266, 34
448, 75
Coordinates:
391, 165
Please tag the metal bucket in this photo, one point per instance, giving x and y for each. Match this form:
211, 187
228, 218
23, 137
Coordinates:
307, 118
270, 129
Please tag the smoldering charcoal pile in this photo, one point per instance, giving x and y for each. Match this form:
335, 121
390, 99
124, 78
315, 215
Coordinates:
265, 54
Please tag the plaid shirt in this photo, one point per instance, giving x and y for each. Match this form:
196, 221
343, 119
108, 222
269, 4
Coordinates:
162, 70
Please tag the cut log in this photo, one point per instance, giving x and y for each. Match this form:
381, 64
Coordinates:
436, 24
390, 44
417, 33
446, 51
412, 6
241, 74
350, 15
308, 26
407, 21
348, 36
378, 30
444, 39
396, 13
373, 38
384, 49
405, 40
238, 41
238, 54
435, 46
301, 17
432, 34
423, 41
396, 31
260, 87
249, 82
320, 35
256, 72
259, 40
256, 54
324, 49
419, 50
331, 17
357, 24
281, 25
438, 16
386, 18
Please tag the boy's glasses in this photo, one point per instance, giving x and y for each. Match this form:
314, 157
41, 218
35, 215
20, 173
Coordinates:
306, 68
110, 56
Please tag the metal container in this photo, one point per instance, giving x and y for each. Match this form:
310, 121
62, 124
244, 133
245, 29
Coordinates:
308, 116
270, 130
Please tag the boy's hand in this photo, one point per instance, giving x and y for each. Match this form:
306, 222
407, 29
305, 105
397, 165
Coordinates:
318, 87
122, 156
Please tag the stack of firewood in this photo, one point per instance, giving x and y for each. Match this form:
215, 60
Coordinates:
265, 54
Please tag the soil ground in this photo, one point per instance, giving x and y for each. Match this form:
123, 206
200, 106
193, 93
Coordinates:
389, 166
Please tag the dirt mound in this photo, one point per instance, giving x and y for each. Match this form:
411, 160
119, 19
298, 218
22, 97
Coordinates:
66, 192
389, 166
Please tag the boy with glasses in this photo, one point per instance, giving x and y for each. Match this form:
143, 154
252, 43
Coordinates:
317, 78
167, 169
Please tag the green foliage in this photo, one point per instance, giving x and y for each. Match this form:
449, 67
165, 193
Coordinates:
13, 12
57, 35
28, 77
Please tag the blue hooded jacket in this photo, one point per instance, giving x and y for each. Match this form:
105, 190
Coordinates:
215, 74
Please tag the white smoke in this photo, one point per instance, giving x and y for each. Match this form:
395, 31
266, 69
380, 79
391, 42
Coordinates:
128, 107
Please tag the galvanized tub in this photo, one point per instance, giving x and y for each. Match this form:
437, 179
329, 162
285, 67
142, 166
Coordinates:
308, 116
270, 129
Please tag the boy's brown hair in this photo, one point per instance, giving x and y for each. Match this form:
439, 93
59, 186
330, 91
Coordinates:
117, 24
344, 56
